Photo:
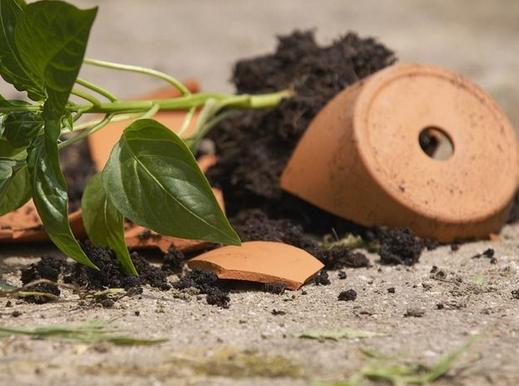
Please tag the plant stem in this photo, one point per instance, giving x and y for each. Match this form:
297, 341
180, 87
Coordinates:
245, 101
142, 70
86, 97
106, 120
151, 112
101, 91
186, 122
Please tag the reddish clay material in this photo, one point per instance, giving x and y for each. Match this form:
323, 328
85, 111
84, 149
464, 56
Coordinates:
24, 224
260, 261
361, 159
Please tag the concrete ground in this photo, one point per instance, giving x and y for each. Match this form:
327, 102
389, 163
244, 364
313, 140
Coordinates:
247, 344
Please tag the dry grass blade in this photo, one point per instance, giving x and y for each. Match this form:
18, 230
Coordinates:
91, 332
394, 372
346, 333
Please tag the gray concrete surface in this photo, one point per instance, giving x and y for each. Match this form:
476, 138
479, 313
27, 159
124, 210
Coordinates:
210, 346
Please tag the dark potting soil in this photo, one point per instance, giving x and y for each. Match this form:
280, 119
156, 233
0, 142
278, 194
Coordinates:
254, 146
347, 296
47, 268
78, 167
255, 224
110, 274
207, 283
398, 246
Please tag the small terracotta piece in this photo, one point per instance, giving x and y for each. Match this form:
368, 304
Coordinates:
260, 261
361, 158
24, 224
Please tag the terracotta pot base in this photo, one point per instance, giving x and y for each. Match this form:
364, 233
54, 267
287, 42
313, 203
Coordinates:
260, 261
364, 156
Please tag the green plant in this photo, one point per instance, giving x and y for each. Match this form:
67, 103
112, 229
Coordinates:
151, 177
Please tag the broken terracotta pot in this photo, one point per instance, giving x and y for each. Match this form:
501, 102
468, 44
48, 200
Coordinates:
24, 224
412, 146
260, 261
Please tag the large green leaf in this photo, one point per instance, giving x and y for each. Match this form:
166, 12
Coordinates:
15, 186
51, 38
103, 222
20, 127
153, 179
9, 151
49, 192
12, 68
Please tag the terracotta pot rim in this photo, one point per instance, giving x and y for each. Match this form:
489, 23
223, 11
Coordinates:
372, 86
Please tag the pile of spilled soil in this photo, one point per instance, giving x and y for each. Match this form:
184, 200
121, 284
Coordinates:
254, 146
109, 275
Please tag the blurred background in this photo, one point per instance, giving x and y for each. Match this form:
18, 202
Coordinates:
203, 38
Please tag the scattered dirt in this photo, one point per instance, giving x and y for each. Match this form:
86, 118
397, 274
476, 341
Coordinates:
488, 253
47, 268
275, 288
110, 274
399, 246
348, 295
322, 278
78, 167
255, 224
207, 283
173, 261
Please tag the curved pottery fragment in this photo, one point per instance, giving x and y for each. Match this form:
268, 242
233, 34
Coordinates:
412, 146
260, 261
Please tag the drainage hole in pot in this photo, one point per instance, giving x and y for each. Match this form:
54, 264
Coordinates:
436, 143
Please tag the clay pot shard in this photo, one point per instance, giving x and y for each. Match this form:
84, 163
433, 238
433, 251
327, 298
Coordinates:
412, 146
260, 261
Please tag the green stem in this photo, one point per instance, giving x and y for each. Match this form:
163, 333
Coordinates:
106, 120
187, 102
142, 70
100, 90
86, 97
151, 112
186, 122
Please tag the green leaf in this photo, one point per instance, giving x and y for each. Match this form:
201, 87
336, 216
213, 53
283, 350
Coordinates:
153, 179
12, 67
9, 151
103, 222
20, 127
51, 38
49, 191
15, 189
